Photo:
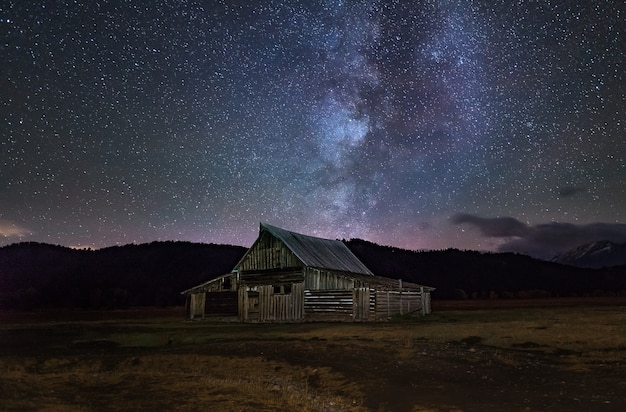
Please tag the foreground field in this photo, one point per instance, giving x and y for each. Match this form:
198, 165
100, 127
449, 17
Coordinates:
518, 359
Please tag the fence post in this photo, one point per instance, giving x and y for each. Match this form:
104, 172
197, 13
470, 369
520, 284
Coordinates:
400, 286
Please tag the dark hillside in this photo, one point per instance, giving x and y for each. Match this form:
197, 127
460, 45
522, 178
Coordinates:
469, 274
36, 275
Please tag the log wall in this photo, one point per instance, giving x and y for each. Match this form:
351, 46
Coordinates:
331, 305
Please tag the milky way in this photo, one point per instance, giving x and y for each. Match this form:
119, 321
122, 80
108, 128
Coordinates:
405, 123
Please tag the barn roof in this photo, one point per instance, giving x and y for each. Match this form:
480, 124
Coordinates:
317, 252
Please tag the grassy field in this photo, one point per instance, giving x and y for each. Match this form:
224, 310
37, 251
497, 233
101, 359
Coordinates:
522, 358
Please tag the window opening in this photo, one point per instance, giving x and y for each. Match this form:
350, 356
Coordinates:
282, 290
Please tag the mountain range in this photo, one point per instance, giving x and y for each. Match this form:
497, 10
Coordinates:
38, 275
595, 255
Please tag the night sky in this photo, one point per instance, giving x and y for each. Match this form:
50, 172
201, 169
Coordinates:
487, 125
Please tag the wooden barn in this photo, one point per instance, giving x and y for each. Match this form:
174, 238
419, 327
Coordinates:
290, 277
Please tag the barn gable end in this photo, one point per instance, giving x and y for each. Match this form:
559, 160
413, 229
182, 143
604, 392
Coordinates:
267, 253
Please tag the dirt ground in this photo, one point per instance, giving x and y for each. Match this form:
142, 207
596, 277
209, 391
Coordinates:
454, 376
178, 365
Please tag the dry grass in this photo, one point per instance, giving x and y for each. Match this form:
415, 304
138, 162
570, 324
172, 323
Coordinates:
586, 331
582, 335
166, 363
177, 382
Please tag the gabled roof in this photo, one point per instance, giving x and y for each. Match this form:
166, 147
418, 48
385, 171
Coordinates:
318, 253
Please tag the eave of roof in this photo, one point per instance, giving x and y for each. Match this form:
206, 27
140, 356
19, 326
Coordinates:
202, 286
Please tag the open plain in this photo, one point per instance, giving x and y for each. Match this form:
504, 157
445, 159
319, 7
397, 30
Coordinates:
559, 356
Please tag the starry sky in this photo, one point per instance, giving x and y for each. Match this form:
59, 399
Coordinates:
487, 125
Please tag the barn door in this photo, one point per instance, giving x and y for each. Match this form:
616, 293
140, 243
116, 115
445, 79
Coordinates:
253, 306
361, 304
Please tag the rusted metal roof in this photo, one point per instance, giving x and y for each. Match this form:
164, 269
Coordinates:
317, 252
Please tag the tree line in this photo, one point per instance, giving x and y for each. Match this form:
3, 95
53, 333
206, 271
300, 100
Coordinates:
38, 275
466, 274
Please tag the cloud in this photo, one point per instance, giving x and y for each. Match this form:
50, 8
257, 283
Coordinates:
9, 229
492, 227
543, 240
569, 191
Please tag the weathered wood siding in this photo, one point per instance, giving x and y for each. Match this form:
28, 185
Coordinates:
262, 304
222, 284
391, 303
196, 305
340, 305
277, 277
363, 304
328, 305
221, 303
281, 307
268, 252
247, 299
319, 279
426, 303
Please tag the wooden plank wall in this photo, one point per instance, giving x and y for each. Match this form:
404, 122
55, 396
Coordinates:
328, 305
224, 303
218, 284
317, 279
261, 304
268, 306
243, 302
392, 303
268, 253
363, 304
196, 305
271, 277
427, 307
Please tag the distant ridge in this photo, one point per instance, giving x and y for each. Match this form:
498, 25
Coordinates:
38, 275
463, 274
594, 255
